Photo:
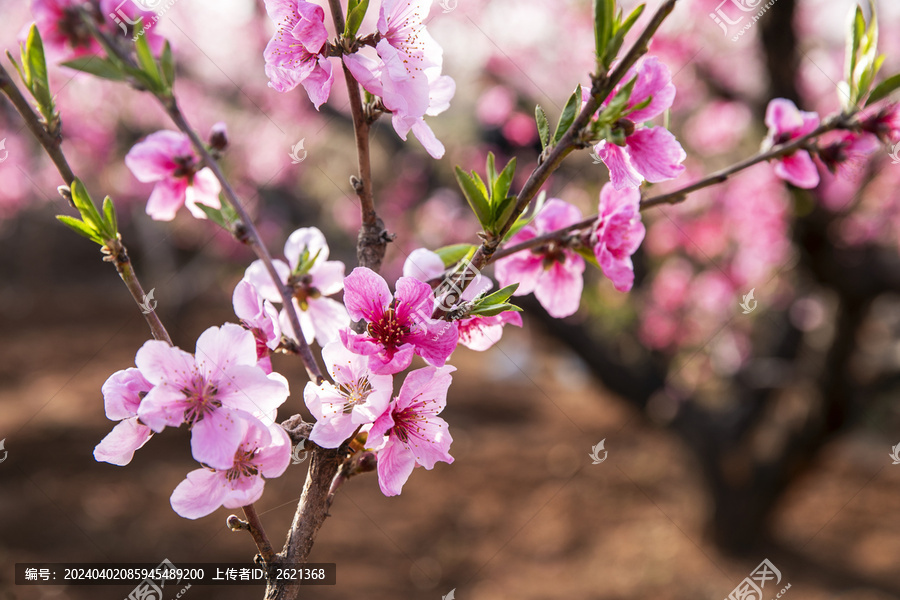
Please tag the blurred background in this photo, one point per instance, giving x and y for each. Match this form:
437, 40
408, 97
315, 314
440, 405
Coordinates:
731, 437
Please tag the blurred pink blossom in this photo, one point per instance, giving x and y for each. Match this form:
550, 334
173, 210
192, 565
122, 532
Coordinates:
787, 123
167, 158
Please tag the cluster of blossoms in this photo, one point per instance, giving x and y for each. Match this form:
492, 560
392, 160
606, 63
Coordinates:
227, 394
406, 74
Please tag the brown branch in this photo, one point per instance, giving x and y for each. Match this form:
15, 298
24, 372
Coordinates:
115, 249
679, 195
372, 241
255, 527
311, 513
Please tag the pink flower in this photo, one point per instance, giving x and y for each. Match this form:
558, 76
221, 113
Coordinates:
552, 272
787, 123
167, 158
398, 326
650, 153
63, 33
66, 37
847, 151
476, 333
262, 452
618, 234
122, 394
294, 54
883, 122
357, 396
260, 318
312, 277
410, 433
212, 392
408, 76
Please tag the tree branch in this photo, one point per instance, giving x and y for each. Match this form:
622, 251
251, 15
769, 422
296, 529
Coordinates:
116, 251
255, 527
371, 243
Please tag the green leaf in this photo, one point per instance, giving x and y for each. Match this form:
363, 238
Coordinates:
588, 255
491, 310
501, 295
543, 126
615, 42
491, 170
81, 228
167, 63
476, 195
568, 115
85, 206
356, 11
614, 108
884, 89
503, 182
604, 23
96, 66
455, 253
146, 60
35, 65
215, 215
857, 30
109, 218
524, 220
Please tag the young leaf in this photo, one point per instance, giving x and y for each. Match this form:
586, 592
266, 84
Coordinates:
857, 30
85, 206
455, 253
491, 310
543, 126
501, 295
491, 171
604, 23
146, 60
109, 218
81, 228
355, 16
215, 215
476, 195
35, 65
588, 255
568, 115
884, 89
96, 66
167, 63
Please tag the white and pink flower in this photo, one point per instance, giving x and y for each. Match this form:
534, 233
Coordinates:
786, 122
122, 395
618, 233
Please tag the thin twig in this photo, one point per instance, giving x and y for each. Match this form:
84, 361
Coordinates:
115, 250
256, 529
250, 234
371, 243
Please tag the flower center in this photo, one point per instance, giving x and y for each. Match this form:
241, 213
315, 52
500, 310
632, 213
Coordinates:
202, 400
405, 424
389, 331
75, 30
243, 465
186, 166
553, 252
355, 393
305, 291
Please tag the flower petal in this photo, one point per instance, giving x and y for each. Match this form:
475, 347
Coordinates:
118, 446
366, 295
200, 494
